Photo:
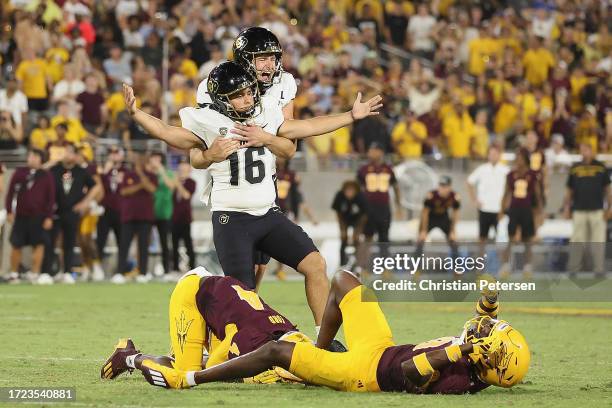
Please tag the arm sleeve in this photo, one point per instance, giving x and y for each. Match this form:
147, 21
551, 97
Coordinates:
191, 119
51, 197
428, 201
8, 201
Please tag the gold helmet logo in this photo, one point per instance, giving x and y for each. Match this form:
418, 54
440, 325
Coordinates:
240, 43
212, 86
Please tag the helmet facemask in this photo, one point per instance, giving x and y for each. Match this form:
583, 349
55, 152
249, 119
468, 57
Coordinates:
223, 103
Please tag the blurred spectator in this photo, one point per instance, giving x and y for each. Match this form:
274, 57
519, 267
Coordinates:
420, 31
351, 212
75, 190
587, 193
458, 128
29, 203
182, 215
117, 66
423, 94
162, 203
33, 74
11, 133
538, 61
376, 178
42, 134
75, 130
486, 186
408, 136
480, 139
368, 131
355, 48
93, 109
69, 87
557, 157
111, 176
14, 101
216, 57
435, 214
137, 217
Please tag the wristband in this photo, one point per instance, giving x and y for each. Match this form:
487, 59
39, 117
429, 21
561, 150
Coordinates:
453, 353
423, 365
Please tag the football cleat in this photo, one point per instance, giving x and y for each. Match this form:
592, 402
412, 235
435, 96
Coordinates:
116, 365
162, 376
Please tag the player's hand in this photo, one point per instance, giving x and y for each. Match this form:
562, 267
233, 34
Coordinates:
47, 224
364, 109
267, 377
222, 148
130, 99
162, 376
254, 135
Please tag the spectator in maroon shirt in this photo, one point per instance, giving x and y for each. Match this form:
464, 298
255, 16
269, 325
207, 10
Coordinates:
29, 204
181, 215
112, 177
137, 216
93, 109
376, 177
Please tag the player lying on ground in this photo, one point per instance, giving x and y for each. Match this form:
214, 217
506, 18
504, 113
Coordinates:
209, 314
489, 352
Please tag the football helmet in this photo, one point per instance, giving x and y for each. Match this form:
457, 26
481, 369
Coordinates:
509, 364
256, 41
225, 80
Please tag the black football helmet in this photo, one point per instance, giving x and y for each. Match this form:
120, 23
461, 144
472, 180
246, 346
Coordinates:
226, 79
255, 41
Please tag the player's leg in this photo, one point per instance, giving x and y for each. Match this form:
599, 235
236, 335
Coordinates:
70, 226
102, 232
125, 240
234, 242
342, 283
144, 233
287, 242
38, 251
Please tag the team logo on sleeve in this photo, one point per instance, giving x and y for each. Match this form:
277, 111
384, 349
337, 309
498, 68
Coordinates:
182, 327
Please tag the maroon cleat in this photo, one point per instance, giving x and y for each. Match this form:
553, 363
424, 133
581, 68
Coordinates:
115, 365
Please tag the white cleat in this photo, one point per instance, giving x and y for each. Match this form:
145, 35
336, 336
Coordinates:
118, 279
67, 279
98, 273
44, 279
144, 278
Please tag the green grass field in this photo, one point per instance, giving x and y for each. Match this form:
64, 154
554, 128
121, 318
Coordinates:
60, 335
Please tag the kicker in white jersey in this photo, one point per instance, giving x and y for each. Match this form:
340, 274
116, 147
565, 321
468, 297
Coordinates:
244, 182
282, 91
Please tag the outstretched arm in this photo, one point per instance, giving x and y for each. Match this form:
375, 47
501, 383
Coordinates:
174, 136
299, 129
219, 150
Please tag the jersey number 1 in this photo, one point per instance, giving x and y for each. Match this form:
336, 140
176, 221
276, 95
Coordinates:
250, 164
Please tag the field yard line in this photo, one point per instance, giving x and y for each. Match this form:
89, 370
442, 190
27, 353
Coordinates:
88, 360
559, 311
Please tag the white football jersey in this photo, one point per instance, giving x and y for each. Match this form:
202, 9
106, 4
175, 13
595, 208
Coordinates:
282, 91
244, 182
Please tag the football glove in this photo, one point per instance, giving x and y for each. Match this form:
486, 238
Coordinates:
162, 376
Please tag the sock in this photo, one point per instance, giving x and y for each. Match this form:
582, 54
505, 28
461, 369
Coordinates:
129, 360
190, 376
317, 330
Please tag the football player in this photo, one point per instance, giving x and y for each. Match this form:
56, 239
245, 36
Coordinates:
215, 314
435, 215
258, 50
245, 217
489, 352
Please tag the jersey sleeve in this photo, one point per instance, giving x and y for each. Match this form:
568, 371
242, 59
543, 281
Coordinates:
473, 178
193, 119
289, 89
429, 202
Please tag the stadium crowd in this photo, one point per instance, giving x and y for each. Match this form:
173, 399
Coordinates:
456, 75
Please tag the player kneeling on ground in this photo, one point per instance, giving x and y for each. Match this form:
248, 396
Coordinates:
489, 352
215, 314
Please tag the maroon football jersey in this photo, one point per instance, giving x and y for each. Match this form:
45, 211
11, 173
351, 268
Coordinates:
522, 188
111, 182
224, 300
285, 181
456, 378
439, 205
537, 160
376, 179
